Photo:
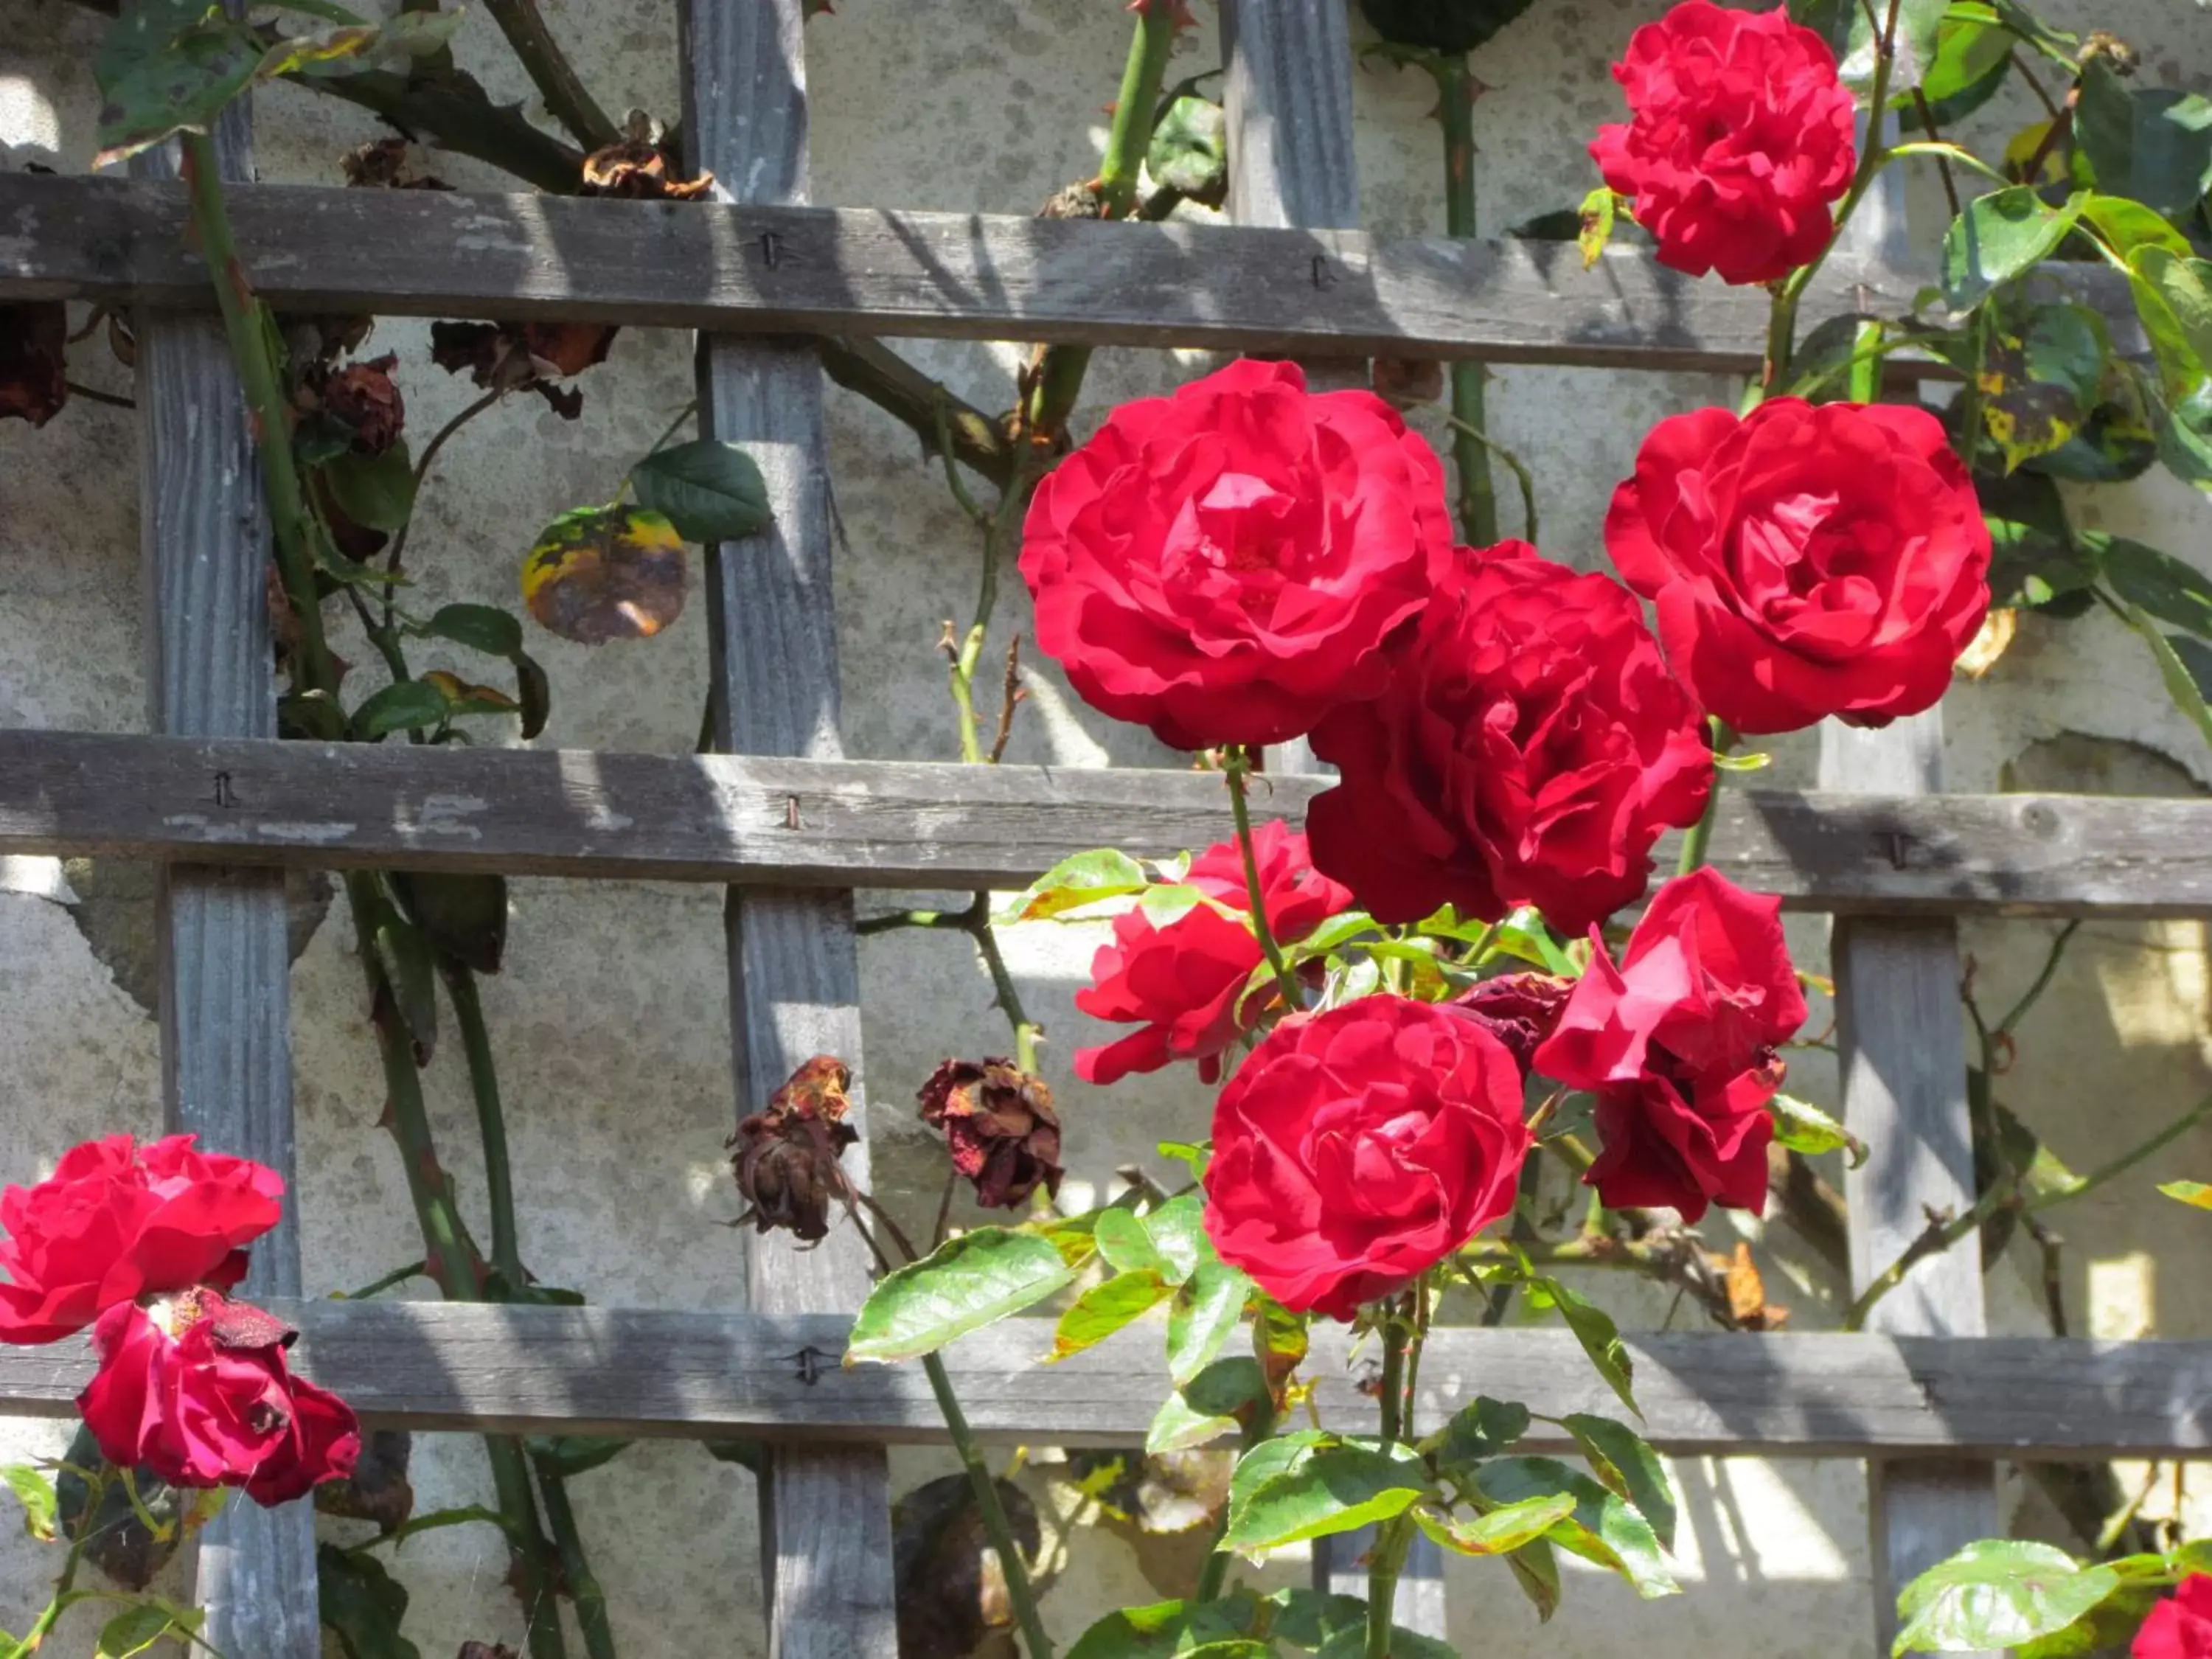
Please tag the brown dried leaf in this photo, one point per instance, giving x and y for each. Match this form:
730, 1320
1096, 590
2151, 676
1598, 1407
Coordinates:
34, 379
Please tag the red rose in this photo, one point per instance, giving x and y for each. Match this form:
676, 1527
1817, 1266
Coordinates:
196, 1389
1519, 1009
1529, 752
1358, 1147
1228, 564
2179, 1628
1677, 1042
1805, 561
115, 1222
1739, 140
1184, 980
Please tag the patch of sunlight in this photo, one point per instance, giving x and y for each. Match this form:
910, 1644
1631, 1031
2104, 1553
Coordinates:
1742, 1518
2157, 994
2123, 1297
41, 877
27, 116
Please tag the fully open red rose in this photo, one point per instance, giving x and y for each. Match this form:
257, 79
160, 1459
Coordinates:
1184, 980
1677, 1042
1530, 751
196, 1389
1358, 1147
1227, 564
2179, 1628
116, 1221
1805, 560
1739, 140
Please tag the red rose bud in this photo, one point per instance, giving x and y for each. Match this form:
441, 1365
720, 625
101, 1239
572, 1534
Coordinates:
1001, 1127
197, 1390
1227, 564
116, 1221
1529, 752
1739, 140
787, 1158
1678, 1044
1519, 1009
1805, 560
1358, 1147
1184, 982
364, 395
2180, 1627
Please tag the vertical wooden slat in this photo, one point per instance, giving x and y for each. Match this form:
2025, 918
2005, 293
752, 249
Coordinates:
1291, 163
1903, 1063
220, 946
794, 981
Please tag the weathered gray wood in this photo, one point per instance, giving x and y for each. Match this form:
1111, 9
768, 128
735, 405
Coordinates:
766, 268
902, 824
795, 976
484, 1368
1902, 1050
225, 972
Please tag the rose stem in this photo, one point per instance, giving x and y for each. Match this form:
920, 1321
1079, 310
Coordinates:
1239, 763
1701, 832
1255, 1428
1478, 497
1389, 1557
1781, 323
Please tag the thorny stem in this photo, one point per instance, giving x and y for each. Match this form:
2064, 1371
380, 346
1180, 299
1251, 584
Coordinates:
975, 922
567, 99
1699, 839
1926, 114
2033, 995
1514, 464
491, 1122
1238, 766
1478, 497
1258, 1425
1970, 392
996, 1525
1392, 1537
422, 471
391, 1281
584, 1588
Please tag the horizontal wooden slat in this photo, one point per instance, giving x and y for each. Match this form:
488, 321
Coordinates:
874, 271
900, 824
433, 1365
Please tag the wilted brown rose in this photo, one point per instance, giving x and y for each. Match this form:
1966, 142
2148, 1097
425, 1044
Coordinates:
786, 1161
636, 169
518, 356
999, 1126
34, 383
364, 397
1519, 1009
387, 164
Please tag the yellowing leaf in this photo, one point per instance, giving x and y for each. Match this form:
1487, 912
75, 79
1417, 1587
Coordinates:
2194, 1194
603, 574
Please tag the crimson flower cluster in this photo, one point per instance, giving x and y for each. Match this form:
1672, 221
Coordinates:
141, 1244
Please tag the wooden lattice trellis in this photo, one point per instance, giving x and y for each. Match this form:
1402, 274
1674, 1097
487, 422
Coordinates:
1927, 1399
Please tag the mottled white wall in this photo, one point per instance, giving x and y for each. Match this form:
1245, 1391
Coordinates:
611, 1022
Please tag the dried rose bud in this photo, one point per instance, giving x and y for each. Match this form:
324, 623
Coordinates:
1001, 1127
34, 383
516, 356
787, 1158
1519, 1009
364, 395
386, 164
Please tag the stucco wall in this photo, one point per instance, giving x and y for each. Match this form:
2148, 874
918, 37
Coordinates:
610, 1020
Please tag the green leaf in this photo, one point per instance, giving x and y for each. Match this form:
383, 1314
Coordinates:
2039, 384
1998, 1593
1455, 26
1105, 1308
1594, 1329
1082, 880
1207, 1311
1482, 1428
1163, 1628
376, 491
1207, 1406
2195, 1193
1496, 1532
1329, 1488
963, 1285
1626, 1465
411, 976
462, 916
1803, 1127
535, 691
2184, 437
1973, 55
1999, 237
575, 1454
2173, 297
709, 490
166, 66
320, 51
362, 1604
135, 1629
404, 706
1279, 1338
2180, 684
1524, 934
484, 628
2150, 144
1189, 150
2036, 560
1606, 1529
2173, 590
34, 1491
1177, 1229
2128, 225
1127, 1242
1536, 1570
1918, 26
1598, 211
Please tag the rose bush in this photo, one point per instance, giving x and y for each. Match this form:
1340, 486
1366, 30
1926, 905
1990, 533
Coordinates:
1530, 751
117, 1221
1739, 140
1227, 564
197, 1390
1805, 560
1359, 1146
2179, 1628
1184, 980
1678, 1041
